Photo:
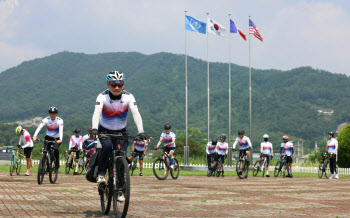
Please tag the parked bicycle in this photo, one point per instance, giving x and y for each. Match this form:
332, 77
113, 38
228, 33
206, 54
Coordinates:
16, 161
260, 167
242, 167
161, 167
47, 164
323, 167
281, 167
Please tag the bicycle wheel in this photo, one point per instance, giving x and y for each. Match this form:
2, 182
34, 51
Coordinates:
320, 170
246, 170
160, 169
18, 164
176, 171
326, 169
284, 170
264, 168
41, 169
12, 165
133, 165
239, 169
86, 168
255, 168
277, 168
67, 167
121, 207
52, 173
81, 166
105, 192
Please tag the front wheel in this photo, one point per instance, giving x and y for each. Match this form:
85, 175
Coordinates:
67, 167
176, 171
105, 191
12, 165
81, 166
160, 169
133, 165
42, 169
264, 168
121, 207
52, 173
239, 169
326, 169
255, 168
246, 169
320, 170
18, 164
277, 168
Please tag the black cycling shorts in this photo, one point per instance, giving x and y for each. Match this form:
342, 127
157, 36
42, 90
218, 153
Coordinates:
242, 152
289, 159
168, 149
77, 153
139, 153
267, 157
27, 151
218, 157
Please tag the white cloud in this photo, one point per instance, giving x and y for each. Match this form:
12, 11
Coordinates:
7, 9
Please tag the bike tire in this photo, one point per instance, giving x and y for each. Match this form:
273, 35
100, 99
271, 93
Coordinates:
67, 167
18, 165
133, 165
86, 168
264, 168
277, 168
326, 169
160, 169
176, 171
255, 168
320, 170
41, 169
52, 173
12, 166
239, 169
246, 170
81, 166
105, 192
120, 208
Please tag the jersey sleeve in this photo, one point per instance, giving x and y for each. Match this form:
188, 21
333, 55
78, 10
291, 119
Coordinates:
173, 135
132, 101
43, 122
100, 100
235, 143
161, 136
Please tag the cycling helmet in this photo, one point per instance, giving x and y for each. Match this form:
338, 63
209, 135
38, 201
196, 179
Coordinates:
18, 130
90, 129
214, 142
266, 136
76, 130
115, 77
167, 126
241, 132
285, 137
331, 133
53, 110
223, 136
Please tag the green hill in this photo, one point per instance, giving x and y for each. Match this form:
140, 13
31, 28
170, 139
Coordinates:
283, 102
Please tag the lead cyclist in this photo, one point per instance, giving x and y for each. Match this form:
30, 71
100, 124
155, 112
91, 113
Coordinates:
110, 116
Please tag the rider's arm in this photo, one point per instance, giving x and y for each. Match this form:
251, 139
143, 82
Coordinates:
271, 150
146, 147
133, 146
81, 144
292, 150
98, 111
173, 141
160, 141
137, 119
39, 128
249, 143
261, 148
61, 130
234, 145
70, 143
27, 141
20, 140
226, 151
336, 147
207, 148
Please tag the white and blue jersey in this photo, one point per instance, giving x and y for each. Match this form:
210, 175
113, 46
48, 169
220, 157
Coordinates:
266, 146
244, 143
287, 146
168, 138
331, 145
222, 147
54, 127
140, 145
114, 112
210, 148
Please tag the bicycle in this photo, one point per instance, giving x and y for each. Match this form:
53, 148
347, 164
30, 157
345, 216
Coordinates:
219, 167
323, 167
260, 167
281, 167
161, 167
72, 163
242, 167
16, 161
47, 164
133, 165
118, 178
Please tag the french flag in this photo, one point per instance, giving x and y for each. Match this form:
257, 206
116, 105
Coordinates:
234, 29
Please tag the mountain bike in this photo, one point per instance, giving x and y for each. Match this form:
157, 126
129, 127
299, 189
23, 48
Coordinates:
260, 167
281, 167
219, 167
133, 165
118, 178
242, 167
70, 165
161, 167
323, 167
16, 161
47, 163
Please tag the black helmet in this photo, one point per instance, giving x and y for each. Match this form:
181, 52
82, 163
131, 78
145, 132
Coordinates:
214, 141
241, 132
53, 110
76, 130
331, 133
223, 136
167, 126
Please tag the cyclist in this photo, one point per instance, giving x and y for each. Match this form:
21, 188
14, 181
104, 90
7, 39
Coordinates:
221, 149
266, 150
332, 148
54, 125
110, 116
139, 148
89, 144
211, 153
76, 143
24, 137
169, 143
244, 145
287, 146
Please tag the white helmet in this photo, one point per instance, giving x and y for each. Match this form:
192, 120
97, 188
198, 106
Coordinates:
115, 76
266, 136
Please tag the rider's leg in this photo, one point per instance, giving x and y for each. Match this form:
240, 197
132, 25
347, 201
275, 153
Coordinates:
171, 155
248, 156
77, 161
209, 161
104, 155
70, 157
141, 165
261, 159
214, 164
57, 158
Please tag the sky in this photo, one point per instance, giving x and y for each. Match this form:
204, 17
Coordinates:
296, 33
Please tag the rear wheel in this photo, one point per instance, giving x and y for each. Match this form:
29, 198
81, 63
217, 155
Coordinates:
133, 165
105, 192
81, 165
123, 187
264, 168
246, 169
255, 168
18, 164
42, 168
277, 168
326, 169
67, 167
176, 171
320, 170
160, 169
12, 165
239, 169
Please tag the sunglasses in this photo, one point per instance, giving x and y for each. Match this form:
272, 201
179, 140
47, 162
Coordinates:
119, 85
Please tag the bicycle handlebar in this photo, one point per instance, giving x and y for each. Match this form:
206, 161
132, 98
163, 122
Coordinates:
120, 136
44, 140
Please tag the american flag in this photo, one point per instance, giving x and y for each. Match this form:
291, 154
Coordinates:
254, 30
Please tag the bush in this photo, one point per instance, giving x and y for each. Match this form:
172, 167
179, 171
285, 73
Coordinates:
344, 147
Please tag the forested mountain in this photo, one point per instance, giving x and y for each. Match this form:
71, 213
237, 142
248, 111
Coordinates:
283, 102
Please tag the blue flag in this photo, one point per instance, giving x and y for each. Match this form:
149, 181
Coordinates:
195, 25
233, 28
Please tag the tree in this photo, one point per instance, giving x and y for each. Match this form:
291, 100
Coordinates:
344, 147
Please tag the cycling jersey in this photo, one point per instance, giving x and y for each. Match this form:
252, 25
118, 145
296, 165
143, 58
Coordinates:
25, 138
287, 146
140, 145
222, 146
54, 127
168, 138
76, 142
244, 143
331, 144
210, 148
89, 143
266, 146
114, 112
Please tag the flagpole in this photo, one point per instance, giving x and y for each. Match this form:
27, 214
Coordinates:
250, 97
186, 89
208, 78
229, 92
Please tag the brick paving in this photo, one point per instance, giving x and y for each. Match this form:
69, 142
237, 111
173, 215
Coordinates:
190, 196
